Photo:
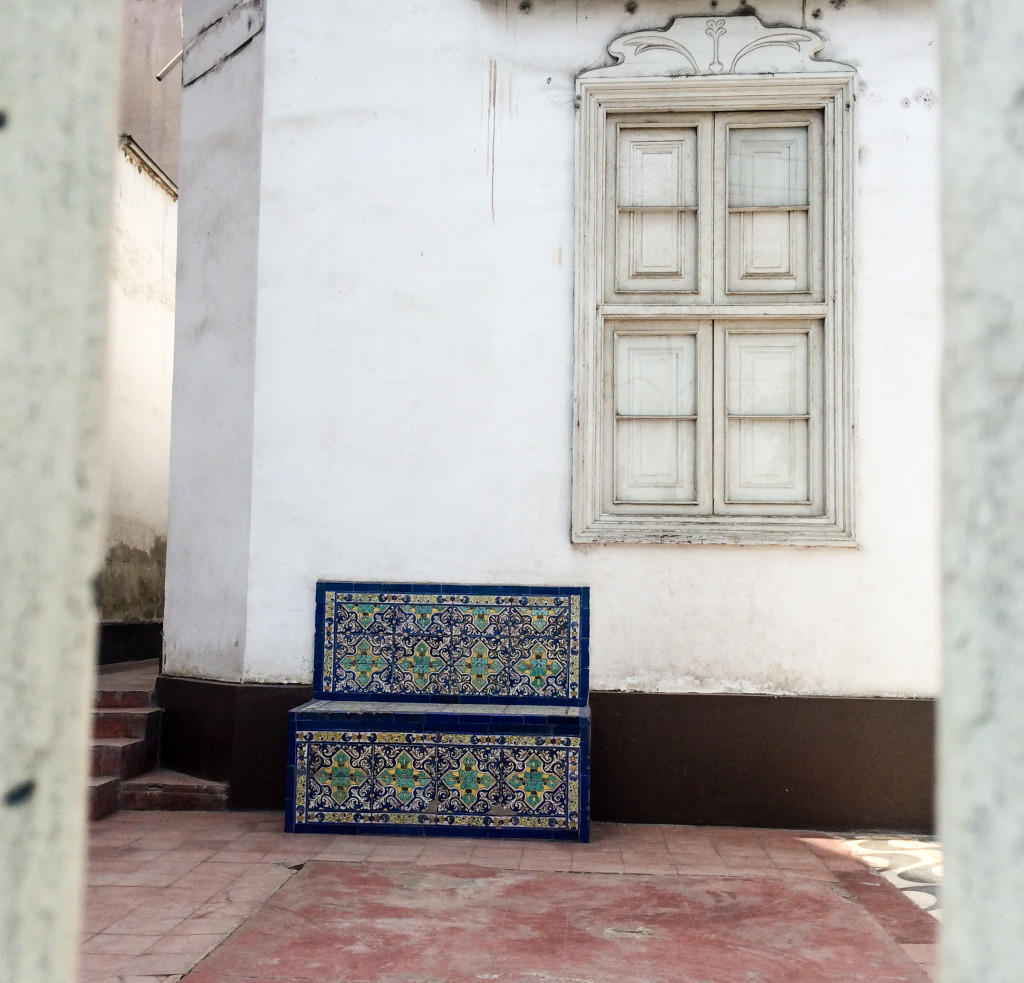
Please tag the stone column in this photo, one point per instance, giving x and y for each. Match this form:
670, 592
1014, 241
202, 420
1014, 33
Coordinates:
982, 713
58, 89
210, 494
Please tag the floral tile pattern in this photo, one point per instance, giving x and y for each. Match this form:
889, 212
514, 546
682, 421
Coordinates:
435, 642
478, 783
445, 709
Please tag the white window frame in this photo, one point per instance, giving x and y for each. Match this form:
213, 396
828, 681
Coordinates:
596, 518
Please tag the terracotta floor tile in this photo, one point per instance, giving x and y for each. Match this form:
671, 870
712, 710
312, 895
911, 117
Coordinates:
680, 905
807, 862
902, 919
809, 874
529, 862
148, 979
595, 865
750, 860
143, 923
285, 858
467, 923
691, 851
119, 945
343, 850
629, 867
164, 963
729, 850
148, 877
97, 966
237, 857
187, 943
96, 919
208, 925
701, 869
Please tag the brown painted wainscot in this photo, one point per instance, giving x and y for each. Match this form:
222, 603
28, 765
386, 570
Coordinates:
826, 763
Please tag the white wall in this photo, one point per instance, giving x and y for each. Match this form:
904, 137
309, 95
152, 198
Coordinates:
211, 427
140, 354
413, 378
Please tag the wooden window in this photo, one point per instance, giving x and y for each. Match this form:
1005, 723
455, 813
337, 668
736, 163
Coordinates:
713, 358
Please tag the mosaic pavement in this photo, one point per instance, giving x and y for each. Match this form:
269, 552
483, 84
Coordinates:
912, 865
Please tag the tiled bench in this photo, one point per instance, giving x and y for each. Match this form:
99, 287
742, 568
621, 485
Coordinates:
445, 709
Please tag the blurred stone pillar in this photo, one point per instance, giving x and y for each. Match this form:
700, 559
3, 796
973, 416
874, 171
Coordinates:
58, 91
981, 805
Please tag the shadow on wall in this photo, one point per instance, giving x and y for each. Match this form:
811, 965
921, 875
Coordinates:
130, 587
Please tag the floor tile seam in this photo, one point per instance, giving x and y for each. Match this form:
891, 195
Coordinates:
204, 955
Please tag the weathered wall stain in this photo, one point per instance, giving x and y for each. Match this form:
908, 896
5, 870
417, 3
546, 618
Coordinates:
492, 122
130, 586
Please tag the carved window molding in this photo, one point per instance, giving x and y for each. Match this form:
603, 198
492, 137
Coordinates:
674, 304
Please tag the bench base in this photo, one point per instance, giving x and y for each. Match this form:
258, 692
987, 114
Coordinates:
493, 770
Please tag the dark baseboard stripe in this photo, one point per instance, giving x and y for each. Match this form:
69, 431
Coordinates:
785, 762
826, 763
135, 641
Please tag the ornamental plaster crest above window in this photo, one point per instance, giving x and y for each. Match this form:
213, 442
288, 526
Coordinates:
739, 45
713, 289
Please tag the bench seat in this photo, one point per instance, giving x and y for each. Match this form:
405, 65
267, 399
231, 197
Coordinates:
445, 709
477, 769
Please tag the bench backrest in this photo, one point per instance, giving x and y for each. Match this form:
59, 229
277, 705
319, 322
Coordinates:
445, 643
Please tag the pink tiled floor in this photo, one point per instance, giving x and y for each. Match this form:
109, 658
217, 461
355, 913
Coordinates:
227, 897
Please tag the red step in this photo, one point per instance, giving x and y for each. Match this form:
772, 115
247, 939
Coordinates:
137, 722
123, 698
102, 796
170, 790
122, 757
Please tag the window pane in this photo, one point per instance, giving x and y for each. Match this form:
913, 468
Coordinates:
767, 166
654, 461
766, 373
655, 375
767, 461
657, 166
655, 236
768, 245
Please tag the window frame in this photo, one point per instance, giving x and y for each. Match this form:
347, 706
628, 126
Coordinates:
595, 519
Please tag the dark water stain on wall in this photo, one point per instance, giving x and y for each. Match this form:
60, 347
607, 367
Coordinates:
130, 586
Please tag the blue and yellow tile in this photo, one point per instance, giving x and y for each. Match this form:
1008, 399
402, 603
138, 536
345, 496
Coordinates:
538, 668
537, 780
469, 779
420, 665
421, 615
362, 663
405, 777
478, 667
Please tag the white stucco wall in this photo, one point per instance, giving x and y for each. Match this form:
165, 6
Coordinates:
140, 354
212, 418
413, 353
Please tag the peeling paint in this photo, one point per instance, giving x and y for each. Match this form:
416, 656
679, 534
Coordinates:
130, 587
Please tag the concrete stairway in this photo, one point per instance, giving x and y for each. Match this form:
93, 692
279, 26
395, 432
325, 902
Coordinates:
125, 750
